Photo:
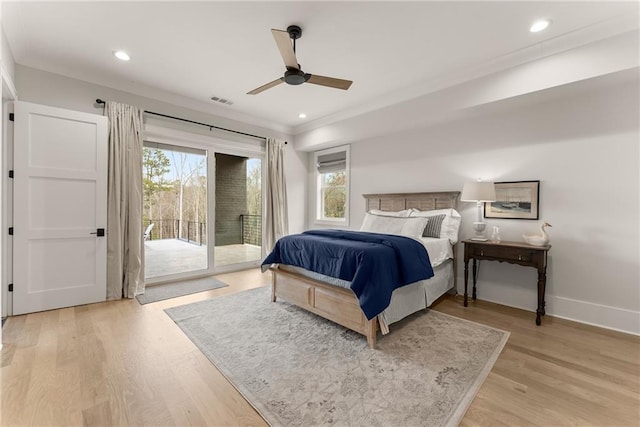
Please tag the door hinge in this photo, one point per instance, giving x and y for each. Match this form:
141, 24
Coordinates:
10, 174
10, 287
12, 117
10, 231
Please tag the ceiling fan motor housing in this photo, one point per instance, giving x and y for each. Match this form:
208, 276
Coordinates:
295, 77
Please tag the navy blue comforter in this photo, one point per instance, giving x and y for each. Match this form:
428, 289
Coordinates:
375, 264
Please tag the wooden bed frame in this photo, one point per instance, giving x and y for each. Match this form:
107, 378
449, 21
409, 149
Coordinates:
341, 305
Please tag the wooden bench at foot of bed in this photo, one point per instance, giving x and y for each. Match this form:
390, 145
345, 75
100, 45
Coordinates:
331, 302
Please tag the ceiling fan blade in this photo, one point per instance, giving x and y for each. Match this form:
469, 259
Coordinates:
269, 85
330, 82
283, 41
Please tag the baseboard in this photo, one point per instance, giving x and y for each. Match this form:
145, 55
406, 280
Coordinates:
600, 315
604, 316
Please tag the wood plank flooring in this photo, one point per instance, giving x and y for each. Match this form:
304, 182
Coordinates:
121, 363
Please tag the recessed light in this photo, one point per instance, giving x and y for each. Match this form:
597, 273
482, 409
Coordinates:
302, 115
121, 55
539, 25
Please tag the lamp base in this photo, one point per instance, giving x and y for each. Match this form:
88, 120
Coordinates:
479, 227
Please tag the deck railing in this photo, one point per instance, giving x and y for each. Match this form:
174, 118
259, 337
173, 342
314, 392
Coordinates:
196, 232
189, 231
251, 229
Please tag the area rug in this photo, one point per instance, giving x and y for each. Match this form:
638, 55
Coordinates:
298, 369
178, 289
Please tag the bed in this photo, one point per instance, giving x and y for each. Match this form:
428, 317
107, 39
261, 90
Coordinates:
332, 298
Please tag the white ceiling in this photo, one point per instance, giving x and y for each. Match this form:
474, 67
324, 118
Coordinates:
203, 49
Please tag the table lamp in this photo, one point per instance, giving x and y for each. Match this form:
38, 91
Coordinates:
479, 192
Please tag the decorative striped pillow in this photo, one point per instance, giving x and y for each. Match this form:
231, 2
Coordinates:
433, 226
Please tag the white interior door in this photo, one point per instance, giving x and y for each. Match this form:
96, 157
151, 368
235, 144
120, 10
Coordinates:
60, 197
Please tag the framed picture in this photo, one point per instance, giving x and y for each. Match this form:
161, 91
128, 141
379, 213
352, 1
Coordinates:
514, 200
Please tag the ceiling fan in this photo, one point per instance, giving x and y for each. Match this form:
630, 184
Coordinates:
294, 74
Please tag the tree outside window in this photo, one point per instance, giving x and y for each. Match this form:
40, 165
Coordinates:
175, 193
333, 195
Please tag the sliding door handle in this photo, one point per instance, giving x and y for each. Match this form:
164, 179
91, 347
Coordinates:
99, 232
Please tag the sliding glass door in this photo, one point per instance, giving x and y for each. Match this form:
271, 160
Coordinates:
202, 211
175, 211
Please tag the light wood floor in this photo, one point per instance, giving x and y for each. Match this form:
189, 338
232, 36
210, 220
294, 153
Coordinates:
121, 363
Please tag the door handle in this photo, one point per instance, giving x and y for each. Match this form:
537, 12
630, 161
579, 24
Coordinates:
99, 232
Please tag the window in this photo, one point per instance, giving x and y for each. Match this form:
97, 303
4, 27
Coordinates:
332, 185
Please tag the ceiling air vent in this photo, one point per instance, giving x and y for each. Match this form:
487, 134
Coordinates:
222, 100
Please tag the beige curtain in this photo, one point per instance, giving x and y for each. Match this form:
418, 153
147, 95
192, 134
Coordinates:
276, 216
125, 245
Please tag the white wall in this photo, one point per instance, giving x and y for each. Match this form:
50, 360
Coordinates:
52, 89
2, 41
8, 91
581, 141
8, 63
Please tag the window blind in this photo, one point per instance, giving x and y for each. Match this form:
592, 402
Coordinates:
332, 162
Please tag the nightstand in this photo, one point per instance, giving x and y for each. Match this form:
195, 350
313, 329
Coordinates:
513, 253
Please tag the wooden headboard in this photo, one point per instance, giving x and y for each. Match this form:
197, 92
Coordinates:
420, 201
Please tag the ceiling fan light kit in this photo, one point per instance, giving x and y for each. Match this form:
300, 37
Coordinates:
294, 75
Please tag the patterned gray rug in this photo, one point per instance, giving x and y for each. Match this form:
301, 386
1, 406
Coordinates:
178, 289
298, 369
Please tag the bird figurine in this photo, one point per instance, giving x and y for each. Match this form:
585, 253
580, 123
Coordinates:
538, 240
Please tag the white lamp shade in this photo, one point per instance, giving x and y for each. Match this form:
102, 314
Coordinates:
478, 192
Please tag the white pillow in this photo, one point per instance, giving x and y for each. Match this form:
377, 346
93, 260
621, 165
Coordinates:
410, 227
414, 227
402, 214
450, 225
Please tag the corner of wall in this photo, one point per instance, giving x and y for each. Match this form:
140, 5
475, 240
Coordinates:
7, 64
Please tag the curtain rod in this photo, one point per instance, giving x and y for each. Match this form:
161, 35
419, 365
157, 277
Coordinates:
100, 101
